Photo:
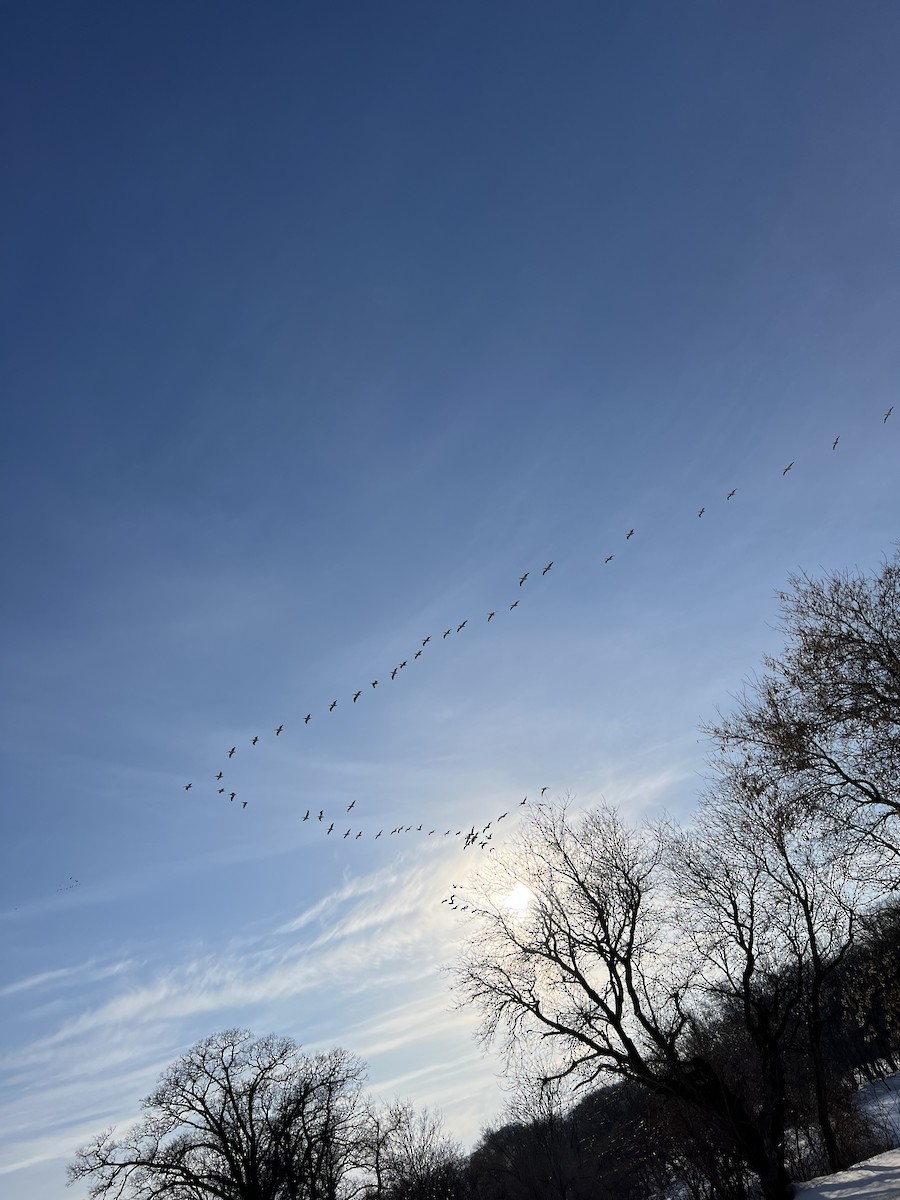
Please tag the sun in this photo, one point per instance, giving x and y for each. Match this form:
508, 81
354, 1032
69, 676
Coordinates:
519, 899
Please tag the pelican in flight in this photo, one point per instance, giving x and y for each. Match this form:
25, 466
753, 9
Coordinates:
232, 796
321, 813
244, 803
219, 776
887, 414
332, 706
732, 493
329, 829
278, 730
543, 789
255, 740
491, 616
221, 791
515, 604
307, 718
522, 580
352, 804
835, 442
403, 664
356, 696
701, 512
306, 818
347, 834
608, 559
787, 468
188, 786
394, 672
374, 683
418, 654
460, 628
629, 534
447, 632
547, 568
231, 751
427, 640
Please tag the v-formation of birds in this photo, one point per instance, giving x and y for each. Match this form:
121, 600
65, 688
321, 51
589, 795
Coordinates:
395, 671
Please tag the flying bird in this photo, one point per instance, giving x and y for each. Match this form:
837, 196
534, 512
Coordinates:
460, 628
403, 664
733, 492
427, 640
608, 559
278, 730
629, 534
321, 813
521, 802
701, 512
221, 791
244, 803
307, 718
231, 751
522, 580
329, 829
352, 804
491, 616
232, 796
787, 468
502, 815
358, 836
188, 786
347, 834
394, 672
378, 834
332, 706
356, 697
447, 632
887, 414
515, 604
835, 442
543, 789
547, 568
255, 740
374, 683
418, 654
219, 776
306, 818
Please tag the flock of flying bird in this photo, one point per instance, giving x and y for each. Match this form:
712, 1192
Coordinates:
475, 836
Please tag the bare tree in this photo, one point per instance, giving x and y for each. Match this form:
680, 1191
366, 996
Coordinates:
827, 711
236, 1119
597, 965
418, 1161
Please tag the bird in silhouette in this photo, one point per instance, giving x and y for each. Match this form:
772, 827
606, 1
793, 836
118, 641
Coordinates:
731, 494
374, 683
543, 789
419, 830
835, 442
522, 580
608, 559
887, 414
329, 829
321, 813
278, 730
188, 786
403, 664
347, 834
352, 804
231, 751
221, 791
244, 803
491, 616
447, 632
356, 696
332, 706
232, 796
307, 718
701, 512
394, 672
378, 834
502, 815
515, 604
306, 818
358, 836
629, 534
219, 776
427, 640
521, 802
255, 740
460, 628
787, 468
547, 568
418, 654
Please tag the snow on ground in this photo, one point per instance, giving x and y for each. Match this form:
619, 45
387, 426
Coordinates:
877, 1178
881, 1103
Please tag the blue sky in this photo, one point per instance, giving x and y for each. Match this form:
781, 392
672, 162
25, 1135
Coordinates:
322, 326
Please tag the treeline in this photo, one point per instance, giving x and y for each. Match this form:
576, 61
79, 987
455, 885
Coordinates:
687, 1010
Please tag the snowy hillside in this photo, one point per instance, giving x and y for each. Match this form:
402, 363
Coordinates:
877, 1178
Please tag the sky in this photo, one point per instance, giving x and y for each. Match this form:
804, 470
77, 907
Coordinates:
323, 325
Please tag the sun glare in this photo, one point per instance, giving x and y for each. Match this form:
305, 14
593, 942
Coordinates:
519, 898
